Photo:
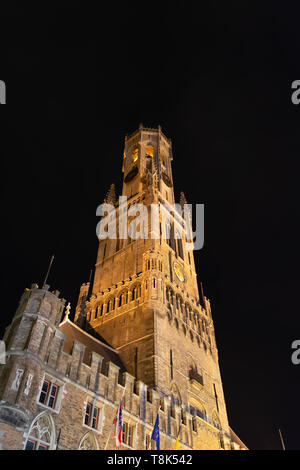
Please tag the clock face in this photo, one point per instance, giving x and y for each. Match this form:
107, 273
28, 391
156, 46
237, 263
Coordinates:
179, 272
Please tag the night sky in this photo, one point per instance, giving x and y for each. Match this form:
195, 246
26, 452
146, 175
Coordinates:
218, 80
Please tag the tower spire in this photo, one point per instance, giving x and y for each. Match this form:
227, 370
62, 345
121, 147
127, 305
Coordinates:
111, 195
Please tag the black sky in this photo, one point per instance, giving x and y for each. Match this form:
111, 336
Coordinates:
217, 78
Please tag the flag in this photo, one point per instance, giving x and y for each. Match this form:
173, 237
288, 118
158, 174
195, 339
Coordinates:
118, 421
176, 447
155, 433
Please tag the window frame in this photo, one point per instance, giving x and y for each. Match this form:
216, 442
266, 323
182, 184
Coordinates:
48, 393
37, 443
127, 437
91, 416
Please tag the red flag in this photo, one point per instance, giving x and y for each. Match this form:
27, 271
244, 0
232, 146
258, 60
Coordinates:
118, 425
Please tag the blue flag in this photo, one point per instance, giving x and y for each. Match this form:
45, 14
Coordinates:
155, 433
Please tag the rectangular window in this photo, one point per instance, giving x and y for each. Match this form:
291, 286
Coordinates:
179, 247
44, 392
129, 439
149, 445
42, 447
49, 394
91, 416
88, 414
127, 434
53, 396
124, 432
95, 417
30, 445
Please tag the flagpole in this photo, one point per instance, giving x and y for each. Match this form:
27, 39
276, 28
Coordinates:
50, 264
156, 437
114, 420
150, 440
178, 435
179, 429
108, 439
282, 443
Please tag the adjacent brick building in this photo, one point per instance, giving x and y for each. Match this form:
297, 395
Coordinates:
142, 331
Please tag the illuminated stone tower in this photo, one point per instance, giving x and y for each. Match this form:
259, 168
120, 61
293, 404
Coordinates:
141, 333
145, 300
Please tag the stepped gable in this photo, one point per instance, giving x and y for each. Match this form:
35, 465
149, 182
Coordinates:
92, 344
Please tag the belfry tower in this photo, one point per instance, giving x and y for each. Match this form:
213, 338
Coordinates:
142, 333
145, 299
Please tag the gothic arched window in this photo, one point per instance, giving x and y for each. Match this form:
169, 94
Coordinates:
175, 395
216, 421
135, 154
168, 232
41, 435
134, 294
124, 298
139, 290
149, 151
89, 442
198, 410
111, 305
179, 245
